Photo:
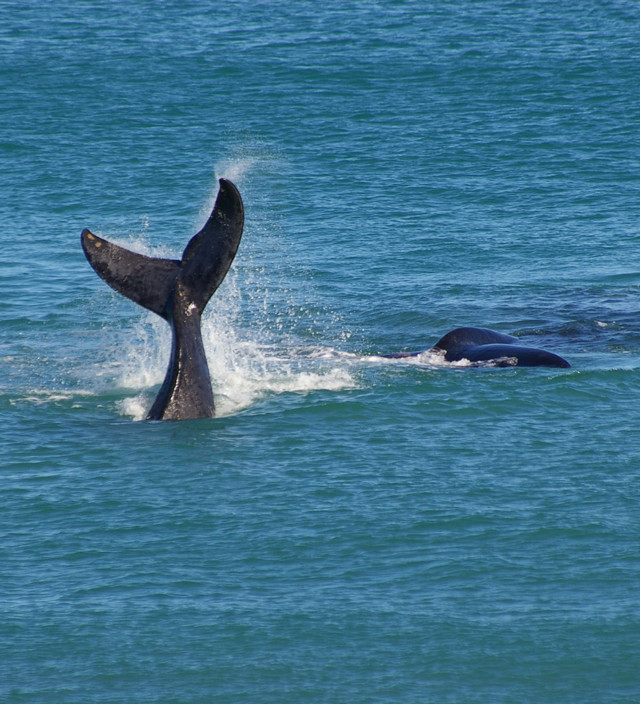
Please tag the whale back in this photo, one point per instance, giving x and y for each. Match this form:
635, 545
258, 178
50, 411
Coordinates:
461, 338
483, 345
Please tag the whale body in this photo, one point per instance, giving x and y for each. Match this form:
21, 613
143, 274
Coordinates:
480, 345
178, 291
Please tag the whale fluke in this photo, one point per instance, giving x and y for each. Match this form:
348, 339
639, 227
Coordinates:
178, 290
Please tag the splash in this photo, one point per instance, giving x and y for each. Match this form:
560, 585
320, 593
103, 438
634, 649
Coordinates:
429, 358
243, 370
235, 170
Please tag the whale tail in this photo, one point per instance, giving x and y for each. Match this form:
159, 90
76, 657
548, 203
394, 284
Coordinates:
178, 290
150, 281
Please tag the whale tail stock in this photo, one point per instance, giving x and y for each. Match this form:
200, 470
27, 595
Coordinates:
178, 290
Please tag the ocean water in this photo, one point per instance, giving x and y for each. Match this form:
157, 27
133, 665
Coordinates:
350, 528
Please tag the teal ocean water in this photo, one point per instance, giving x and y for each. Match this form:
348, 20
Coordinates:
350, 528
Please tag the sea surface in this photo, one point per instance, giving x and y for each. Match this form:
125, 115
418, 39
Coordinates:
350, 529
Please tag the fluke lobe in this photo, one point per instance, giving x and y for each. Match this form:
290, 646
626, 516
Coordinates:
178, 290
